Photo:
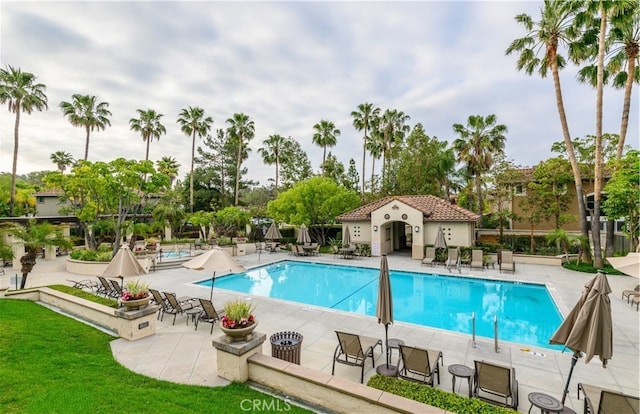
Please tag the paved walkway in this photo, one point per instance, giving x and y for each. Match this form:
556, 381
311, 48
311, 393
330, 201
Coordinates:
178, 353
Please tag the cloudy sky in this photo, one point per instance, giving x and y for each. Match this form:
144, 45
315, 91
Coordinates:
287, 65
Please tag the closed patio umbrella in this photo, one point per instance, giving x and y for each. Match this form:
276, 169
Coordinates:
346, 237
123, 264
217, 261
384, 312
629, 264
303, 235
587, 329
273, 233
440, 242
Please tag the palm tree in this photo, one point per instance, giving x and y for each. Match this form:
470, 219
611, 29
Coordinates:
363, 120
392, 128
480, 142
35, 237
543, 37
326, 136
273, 150
62, 160
241, 130
168, 166
375, 147
148, 124
22, 94
193, 122
85, 111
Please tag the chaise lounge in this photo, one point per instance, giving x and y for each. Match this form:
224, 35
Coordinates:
601, 400
354, 350
497, 381
429, 256
419, 364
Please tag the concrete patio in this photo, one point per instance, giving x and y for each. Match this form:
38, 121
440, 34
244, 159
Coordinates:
181, 354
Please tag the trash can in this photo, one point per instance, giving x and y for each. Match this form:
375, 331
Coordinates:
286, 346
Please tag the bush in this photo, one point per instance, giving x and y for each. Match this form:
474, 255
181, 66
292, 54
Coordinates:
435, 397
588, 268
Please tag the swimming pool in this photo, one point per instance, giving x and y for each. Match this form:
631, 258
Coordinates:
174, 254
526, 312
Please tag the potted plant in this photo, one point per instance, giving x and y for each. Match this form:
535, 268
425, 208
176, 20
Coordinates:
238, 321
135, 294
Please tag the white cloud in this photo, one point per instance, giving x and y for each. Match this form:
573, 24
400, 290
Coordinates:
287, 65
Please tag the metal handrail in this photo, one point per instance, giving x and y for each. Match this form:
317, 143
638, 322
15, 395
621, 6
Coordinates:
495, 332
473, 329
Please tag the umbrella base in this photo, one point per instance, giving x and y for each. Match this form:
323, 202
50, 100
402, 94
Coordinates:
387, 370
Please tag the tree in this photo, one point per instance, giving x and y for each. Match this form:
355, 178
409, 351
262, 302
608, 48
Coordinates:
193, 123
204, 220
216, 166
296, 166
429, 154
392, 128
35, 237
351, 177
543, 37
21, 93
170, 210
168, 166
480, 142
326, 135
623, 191
230, 221
315, 202
85, 111
149, 125
62, 160
272, 152
334, 169
547, 192
363, 120
375, 148
241, 130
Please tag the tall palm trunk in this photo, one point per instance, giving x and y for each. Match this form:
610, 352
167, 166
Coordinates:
146, 157
193, 154
86, 143
597, 188
582, 211
632, 55
277, 174
478, 183
16, 128
324, 157
238, 164
364, 161
373, 169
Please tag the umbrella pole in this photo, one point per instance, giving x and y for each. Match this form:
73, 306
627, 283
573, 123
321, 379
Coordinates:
574, 359
213, 280
386, 341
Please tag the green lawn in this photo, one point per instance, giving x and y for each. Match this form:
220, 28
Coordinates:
53, 364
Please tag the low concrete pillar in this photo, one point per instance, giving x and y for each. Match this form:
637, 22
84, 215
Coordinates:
136, 324
232, 357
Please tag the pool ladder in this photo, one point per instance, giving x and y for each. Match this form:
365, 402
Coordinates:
495, 331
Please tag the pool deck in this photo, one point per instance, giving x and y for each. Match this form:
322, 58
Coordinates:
181, 354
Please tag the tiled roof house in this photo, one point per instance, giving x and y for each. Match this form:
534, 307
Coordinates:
394, 222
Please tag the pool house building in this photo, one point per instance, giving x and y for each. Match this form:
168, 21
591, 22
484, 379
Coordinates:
412, 221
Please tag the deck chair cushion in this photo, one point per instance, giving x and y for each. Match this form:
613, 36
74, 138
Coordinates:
354, 350
496, 380
419, 364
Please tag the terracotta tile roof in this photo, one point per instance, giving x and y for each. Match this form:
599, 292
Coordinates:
51, 193
432, 207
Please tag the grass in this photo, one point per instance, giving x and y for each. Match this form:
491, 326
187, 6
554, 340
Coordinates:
54, 364
588, 268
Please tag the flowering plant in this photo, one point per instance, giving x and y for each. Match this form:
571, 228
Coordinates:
238, 314
135, 289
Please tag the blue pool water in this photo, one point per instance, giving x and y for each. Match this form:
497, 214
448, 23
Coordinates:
173, 255
526, 312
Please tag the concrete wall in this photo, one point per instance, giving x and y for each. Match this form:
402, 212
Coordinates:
334, 393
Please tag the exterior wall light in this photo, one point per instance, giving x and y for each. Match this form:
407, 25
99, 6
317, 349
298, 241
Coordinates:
417, 229
375, 228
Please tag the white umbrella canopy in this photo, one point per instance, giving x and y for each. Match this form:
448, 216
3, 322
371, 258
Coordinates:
217, 261
303, 235
273, 233
629, 264
440, 242
346, 237
124, 264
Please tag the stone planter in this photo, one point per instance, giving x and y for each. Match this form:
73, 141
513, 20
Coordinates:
136, 304
239, 334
